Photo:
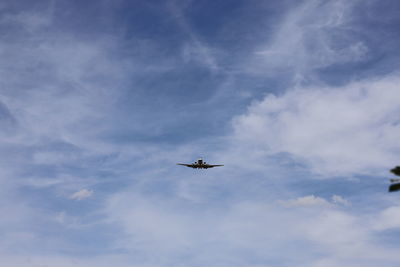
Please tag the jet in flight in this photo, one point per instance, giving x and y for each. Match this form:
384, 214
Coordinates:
199, 164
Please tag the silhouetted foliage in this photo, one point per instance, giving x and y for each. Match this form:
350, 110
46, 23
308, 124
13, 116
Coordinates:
394, 187
396, 170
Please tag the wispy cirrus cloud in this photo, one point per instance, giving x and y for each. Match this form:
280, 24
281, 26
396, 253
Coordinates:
314, 35
195, 49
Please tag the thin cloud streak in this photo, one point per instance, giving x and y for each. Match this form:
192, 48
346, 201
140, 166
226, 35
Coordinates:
82, 194
313, 36
195, 50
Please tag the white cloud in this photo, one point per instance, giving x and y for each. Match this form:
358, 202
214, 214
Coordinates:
340, 200
185, 227
306, 201
335, 229
336, 131
313, 201
389, 218
229, 233
81, 194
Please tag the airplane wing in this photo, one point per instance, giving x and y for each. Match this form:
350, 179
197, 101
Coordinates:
212, 166
187, 165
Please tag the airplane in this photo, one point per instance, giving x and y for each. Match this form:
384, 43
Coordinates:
199, 164
396, 182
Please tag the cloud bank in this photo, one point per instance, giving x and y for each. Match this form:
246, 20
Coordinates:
335, 131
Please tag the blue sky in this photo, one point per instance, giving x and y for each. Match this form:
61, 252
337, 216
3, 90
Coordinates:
100, 99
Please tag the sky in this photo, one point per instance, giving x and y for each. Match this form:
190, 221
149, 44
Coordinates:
300, 100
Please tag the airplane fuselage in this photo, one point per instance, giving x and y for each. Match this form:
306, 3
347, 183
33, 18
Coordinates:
199, 164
